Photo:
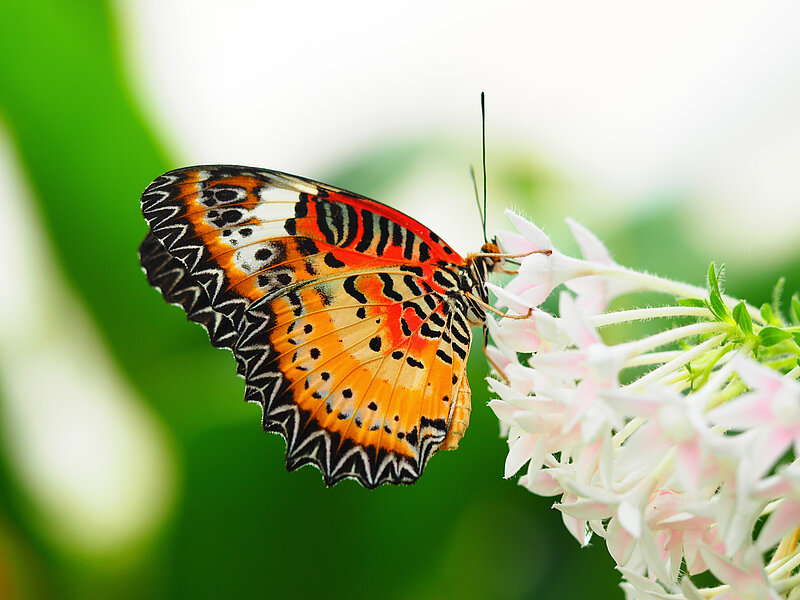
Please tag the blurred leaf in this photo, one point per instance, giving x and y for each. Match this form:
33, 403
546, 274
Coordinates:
693, 302
795, 310
742, 318
777, 294
767, 314
769, 336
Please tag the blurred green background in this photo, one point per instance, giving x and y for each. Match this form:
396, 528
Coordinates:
130, 468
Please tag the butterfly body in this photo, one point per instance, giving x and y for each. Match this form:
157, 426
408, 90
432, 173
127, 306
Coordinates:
349, 320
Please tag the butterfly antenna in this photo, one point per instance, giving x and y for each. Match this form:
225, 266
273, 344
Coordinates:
478, 200
483, 159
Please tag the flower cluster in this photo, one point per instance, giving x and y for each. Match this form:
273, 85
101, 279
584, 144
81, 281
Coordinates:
677, 447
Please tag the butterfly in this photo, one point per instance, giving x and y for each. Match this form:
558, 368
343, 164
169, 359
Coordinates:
349, 321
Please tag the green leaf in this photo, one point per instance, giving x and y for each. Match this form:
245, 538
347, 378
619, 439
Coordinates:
693, 302
767, 314
742, 318
713, 281
769, 336
795, 310
715, 303
796, 337
717, 306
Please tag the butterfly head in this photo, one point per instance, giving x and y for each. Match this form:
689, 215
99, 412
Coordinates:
474, 275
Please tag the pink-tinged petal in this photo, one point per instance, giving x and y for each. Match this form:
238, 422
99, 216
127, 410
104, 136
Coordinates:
689, 591
575, 324
768, 447
586, 509
514, 243
745, 412
644, 588
497, 339
759, 377
577, 527
530, 231
523, 379
620, 542
529, 420
652, 556
595, 292
722, 567
687, 465
630, 518
519, 453
505, 298
520, 335
784, 519
541, 483
675, 558
566, 365
634, 404
498, 357
532, 292
503, 411
508, 394
591, 246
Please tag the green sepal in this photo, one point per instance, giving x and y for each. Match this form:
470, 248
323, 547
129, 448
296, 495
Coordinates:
777, 292
769, 336
693, 302
767, 314
713, 277
742, 318
715, 303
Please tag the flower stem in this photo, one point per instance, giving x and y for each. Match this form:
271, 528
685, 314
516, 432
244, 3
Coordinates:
640, 314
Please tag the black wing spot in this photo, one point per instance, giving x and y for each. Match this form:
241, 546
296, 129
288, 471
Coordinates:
232, 216
412, 269
444, 356
372, 406
397, 354
388, 287
347, 393
308, 328
325, 375
263, 254
332, 261
307, 246
350, 287
315, 353
375, 344
361, 313
424, 252
245, 232
414, 363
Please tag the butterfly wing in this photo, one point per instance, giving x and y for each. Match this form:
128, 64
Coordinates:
335, 306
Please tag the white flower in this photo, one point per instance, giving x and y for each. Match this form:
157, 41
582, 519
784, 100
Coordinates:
673, 467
